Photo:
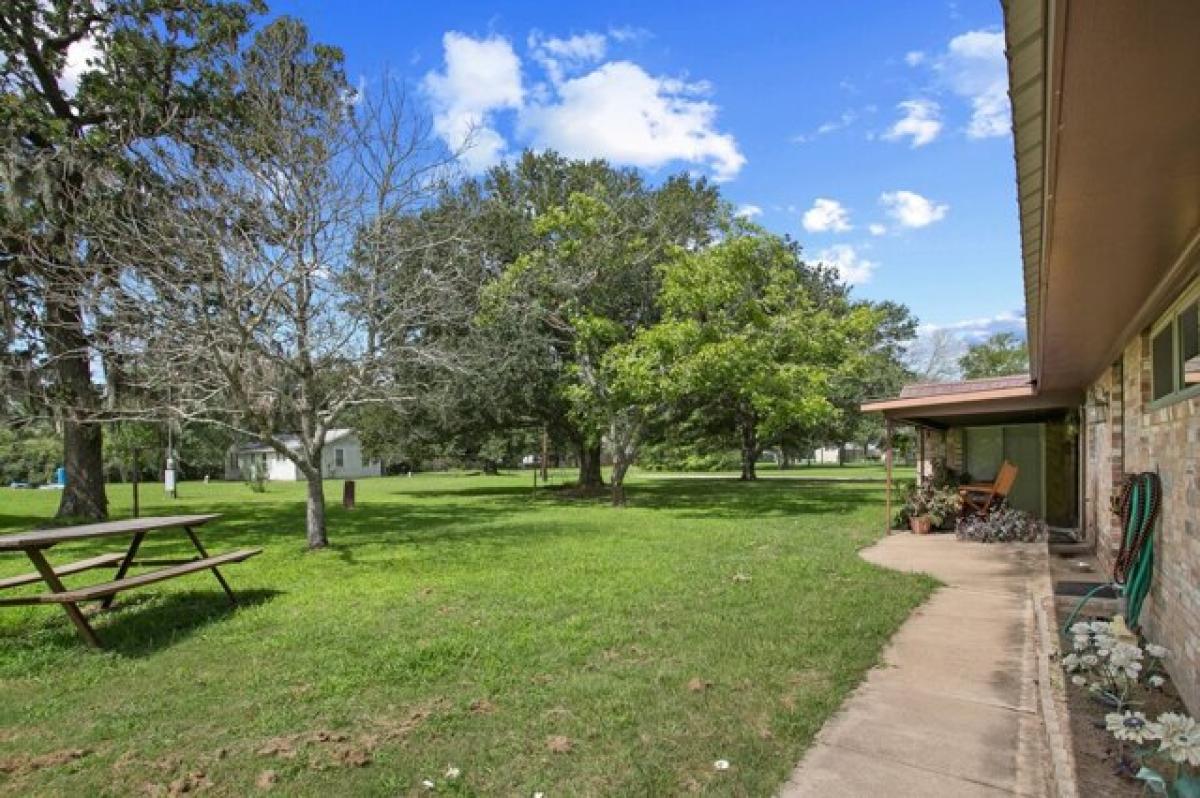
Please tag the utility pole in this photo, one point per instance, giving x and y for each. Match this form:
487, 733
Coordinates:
545, 453
169, 472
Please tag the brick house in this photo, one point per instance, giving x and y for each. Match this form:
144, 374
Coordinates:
1106, 130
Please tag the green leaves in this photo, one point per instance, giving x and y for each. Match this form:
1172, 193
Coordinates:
740, 330
999, 356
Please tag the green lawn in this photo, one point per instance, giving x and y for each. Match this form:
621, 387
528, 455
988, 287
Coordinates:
461, 621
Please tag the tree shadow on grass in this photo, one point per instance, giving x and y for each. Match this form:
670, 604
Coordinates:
15, 523
139, 625
434, 517
693, 498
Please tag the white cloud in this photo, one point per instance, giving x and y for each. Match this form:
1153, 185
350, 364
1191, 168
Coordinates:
852, 268
981, 328
615, 110
83, 56
914, 57
749, 211
481, 76
629, 33
559, 56
876, 229
920, 122
975, 68
910, 209
844, 120
826, 215
622, 113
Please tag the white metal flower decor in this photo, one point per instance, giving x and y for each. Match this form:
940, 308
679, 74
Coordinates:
1107, 659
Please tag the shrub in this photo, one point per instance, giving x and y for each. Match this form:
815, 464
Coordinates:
256, 479
1003, 525
29, 455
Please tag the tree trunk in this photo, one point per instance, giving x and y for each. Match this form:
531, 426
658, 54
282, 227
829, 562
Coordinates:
620, 468
490, 468
590, 476
315, 518
83, 456
785, 459
83, 496
749, 450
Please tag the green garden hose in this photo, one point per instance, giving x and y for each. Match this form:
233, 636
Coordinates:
1141, 500
1135, 560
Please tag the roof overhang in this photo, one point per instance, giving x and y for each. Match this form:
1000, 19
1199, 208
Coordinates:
1002, 406
1106, 128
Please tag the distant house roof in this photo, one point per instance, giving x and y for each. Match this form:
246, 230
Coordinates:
292, 441
924, 389
932, 394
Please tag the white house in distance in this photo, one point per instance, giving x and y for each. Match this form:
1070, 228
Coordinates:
342, 458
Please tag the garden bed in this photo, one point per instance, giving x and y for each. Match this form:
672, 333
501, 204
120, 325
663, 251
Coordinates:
1103, 764
1097, 754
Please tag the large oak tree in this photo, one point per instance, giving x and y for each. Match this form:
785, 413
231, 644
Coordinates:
83, 83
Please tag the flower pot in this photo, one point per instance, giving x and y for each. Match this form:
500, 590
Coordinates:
921, 524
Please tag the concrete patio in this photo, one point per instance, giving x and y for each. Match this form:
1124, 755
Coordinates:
953, 709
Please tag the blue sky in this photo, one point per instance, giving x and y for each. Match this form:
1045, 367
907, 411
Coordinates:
875, 133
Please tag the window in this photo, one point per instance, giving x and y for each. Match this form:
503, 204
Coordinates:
339, 457
1189, 344
1175, 348
1164, 369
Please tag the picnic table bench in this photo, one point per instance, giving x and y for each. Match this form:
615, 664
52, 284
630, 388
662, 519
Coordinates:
36, 542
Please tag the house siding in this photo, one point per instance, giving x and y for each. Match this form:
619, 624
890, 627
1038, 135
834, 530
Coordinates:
1135, 438
280, 468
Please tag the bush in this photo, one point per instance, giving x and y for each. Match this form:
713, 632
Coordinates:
1003, 525
29, 455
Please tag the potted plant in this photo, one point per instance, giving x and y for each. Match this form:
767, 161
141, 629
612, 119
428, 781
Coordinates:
928, 507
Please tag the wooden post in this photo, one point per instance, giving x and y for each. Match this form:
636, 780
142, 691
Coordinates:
348, 494
136, 468
921, 456
887, 456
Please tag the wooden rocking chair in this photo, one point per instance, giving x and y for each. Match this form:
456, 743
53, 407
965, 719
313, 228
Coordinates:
981, 498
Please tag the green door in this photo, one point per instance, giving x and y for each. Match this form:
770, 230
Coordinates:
1023, 448
1021, 445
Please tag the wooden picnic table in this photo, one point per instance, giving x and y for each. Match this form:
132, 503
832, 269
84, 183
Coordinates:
34, 543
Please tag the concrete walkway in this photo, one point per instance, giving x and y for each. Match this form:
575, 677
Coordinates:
953, 710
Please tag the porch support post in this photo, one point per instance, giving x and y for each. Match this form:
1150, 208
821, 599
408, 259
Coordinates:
921, 456
887, 458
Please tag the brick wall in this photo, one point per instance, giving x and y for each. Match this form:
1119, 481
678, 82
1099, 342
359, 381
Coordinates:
954, 449
1166, 440
1105, 430
935, 449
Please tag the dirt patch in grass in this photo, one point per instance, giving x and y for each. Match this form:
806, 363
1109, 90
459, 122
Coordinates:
24, 763
1099, 767
559, 744
326, 749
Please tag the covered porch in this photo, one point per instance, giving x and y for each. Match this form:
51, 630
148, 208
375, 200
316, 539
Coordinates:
966, 430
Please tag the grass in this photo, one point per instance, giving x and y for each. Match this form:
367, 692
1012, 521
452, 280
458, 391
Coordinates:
461, 621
